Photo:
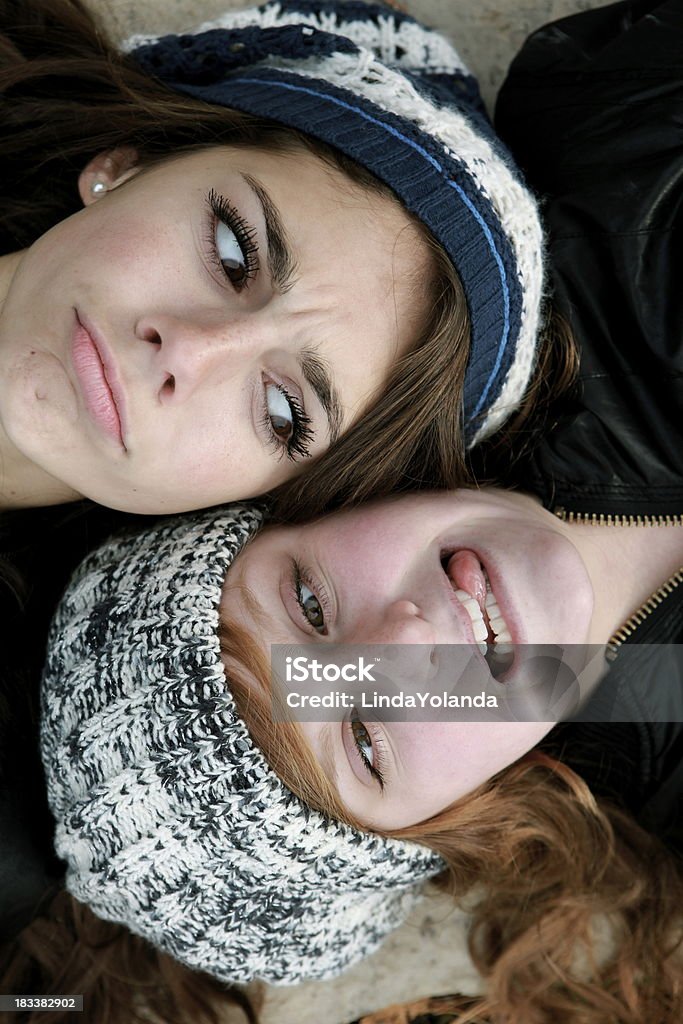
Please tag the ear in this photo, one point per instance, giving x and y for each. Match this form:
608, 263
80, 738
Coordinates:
107, 171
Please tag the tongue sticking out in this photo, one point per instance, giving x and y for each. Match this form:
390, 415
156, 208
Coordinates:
464, 570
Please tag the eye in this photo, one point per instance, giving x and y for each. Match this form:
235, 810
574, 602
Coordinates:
230, 254
315, 610
311, 608
285, 422
369, 752
362, 740
279, 412
232, 243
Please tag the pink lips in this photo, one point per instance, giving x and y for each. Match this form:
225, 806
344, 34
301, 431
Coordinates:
94, 372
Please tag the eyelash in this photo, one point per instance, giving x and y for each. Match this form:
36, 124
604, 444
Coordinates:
376, 769
298, 444
301, 575
221, 210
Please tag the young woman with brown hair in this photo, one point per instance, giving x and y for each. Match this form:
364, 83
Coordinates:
181, 326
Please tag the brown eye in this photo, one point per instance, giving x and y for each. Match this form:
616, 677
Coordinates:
235, 272
310, 606
362, 740
279, 413
233, 245
230, 254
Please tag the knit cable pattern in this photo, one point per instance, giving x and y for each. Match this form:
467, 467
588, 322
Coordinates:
168, 816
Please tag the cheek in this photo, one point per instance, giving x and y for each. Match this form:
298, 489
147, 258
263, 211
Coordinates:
120, 251
88, 244
135, 255
63, 242
207, 458
447, 760
372, 555
40, 410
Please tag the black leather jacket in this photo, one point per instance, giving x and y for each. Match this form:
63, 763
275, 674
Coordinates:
593, 111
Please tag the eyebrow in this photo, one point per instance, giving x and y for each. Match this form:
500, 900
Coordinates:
282, 268
281, 262
316, 371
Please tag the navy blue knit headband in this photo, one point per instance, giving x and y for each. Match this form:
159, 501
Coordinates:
396, 98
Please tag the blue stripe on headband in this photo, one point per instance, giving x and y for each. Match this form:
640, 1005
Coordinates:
506, 294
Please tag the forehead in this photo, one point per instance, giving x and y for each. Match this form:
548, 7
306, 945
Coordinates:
396, 514
364, 276
332, 209
337, 533
304, 177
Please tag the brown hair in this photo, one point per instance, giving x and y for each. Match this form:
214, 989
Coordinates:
123, 980
68, 94
540, 863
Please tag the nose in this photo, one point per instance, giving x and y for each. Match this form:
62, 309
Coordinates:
190, 350
401, 622
407, 654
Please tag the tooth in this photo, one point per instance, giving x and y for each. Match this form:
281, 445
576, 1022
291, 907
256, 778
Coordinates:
503, 649
473, 609
504, 637
479, 627
480, 631
495, 617
483, 648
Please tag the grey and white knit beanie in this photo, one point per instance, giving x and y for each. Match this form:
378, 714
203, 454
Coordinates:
168, 817
396, 98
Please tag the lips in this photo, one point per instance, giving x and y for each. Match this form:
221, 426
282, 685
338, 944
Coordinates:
471, 586
97, 379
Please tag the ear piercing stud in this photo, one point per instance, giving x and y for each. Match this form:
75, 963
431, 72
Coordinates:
98, 188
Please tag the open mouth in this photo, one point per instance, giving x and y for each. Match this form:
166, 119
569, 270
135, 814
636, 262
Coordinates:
470, 584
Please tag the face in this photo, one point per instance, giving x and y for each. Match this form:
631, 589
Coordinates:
422, 570
203, 329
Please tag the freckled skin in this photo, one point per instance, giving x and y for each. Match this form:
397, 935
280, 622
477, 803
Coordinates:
135, 263
380, 570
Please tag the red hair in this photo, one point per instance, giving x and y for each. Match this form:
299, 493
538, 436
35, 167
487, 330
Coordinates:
576, 911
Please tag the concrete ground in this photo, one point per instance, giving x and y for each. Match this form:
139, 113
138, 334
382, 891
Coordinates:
428, 955
487, 33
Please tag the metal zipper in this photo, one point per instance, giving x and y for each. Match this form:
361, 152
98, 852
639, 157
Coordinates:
607, 519
647, 607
